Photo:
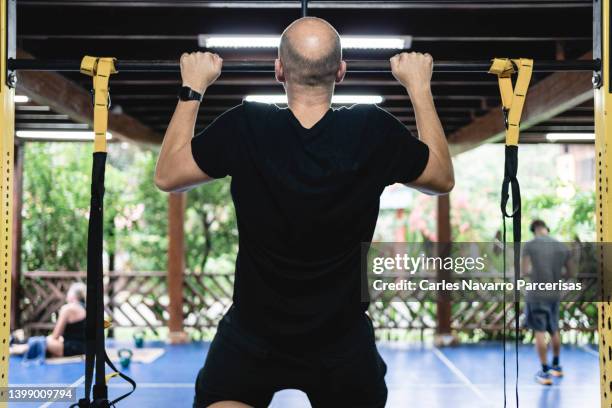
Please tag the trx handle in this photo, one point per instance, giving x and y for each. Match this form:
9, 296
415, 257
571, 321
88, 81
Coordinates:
96, 359
513, 101
513, 98
100, 69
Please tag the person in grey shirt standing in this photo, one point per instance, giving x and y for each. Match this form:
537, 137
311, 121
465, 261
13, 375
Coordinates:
544, 260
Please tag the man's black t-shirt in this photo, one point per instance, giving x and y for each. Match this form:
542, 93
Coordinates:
305, 200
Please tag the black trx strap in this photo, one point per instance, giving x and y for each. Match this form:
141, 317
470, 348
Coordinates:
513, 100
95, 354
511, 184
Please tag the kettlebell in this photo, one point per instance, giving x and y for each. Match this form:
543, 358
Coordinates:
125, 357
138, 339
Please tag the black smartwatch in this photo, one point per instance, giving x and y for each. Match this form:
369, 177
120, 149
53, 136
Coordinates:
188, 94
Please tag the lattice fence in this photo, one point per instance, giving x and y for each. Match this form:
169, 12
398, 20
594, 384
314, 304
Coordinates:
139, 299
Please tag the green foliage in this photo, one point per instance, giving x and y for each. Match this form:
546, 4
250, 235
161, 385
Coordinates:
210, 218
55, 209
568, 220
475, 213
56, 205
57, 180
142, 220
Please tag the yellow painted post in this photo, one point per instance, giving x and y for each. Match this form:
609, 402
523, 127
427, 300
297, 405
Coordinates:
7, 132
603, 152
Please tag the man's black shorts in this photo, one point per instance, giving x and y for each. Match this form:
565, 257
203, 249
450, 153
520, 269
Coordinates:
242, 367
542, 316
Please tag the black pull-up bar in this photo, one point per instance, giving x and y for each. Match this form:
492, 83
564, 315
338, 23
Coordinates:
365, 66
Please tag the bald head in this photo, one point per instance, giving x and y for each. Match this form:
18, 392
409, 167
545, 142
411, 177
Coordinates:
310, 53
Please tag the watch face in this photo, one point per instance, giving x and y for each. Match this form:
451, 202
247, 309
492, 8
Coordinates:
188, 94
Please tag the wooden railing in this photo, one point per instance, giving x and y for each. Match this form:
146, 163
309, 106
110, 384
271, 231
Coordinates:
139, 299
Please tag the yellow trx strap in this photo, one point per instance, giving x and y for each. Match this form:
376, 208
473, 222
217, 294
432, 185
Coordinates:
100, 69
513, 99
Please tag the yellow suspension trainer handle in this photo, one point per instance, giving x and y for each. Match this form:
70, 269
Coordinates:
513, 98
100, 69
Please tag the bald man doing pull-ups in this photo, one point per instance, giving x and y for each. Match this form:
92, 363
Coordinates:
306, 182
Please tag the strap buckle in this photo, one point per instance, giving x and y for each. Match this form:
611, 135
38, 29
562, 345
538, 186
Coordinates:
506, 113
93, 98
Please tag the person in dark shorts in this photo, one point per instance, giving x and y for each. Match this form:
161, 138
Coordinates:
544, 259
306, 183
68, 336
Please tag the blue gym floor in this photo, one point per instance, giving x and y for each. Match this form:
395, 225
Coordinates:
468, 376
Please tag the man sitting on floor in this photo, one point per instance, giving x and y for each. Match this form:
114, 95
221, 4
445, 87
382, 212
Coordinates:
68, 336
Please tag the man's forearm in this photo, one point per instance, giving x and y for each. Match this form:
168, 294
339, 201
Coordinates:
179, 133
176, 168
430, 129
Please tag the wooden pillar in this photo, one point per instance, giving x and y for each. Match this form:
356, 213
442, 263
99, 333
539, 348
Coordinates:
176, 266
443, 221
443, 315
17, 231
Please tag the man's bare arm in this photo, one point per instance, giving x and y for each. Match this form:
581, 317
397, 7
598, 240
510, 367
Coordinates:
62, 321
525, 265
413, 70
176, 169
438, 176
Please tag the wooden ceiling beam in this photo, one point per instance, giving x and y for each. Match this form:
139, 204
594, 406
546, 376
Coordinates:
65, 97
546, 99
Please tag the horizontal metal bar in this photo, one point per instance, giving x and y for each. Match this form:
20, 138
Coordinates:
194, 37
326, 4
366, 66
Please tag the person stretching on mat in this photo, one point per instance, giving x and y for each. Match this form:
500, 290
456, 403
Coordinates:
306, 183
543, 261
68, 336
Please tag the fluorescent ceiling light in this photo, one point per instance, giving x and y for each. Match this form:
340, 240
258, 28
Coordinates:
366, 99
59, 135
336, 99
238, 41
282, 99
21, 99
380, 43
558, 137
272, 41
